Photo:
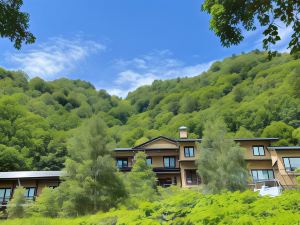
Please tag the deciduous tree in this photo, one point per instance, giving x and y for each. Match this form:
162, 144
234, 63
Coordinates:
229, 17
141, 180
14, 24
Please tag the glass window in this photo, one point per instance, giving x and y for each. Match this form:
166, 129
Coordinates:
291, 164
121, 163
5, 194
149, 161
191, 177
258, 150
262, 174
169, 162
30, 192
189, 152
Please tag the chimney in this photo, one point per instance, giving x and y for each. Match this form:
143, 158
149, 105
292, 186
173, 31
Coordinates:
183, 133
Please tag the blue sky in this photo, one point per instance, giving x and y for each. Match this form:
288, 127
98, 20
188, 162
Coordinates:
119, 45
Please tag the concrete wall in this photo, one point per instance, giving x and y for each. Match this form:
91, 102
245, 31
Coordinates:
286, 178
249, 152
160, 143
187, 144
39, 184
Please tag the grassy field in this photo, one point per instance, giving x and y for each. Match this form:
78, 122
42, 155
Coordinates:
190, 207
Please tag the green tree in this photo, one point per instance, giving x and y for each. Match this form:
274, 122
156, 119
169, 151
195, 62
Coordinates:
46, 204
141, 180
243, 133
228, 17
92, 183
296, 136
221, 164
14, 24
15, 207
280, 130
11, 159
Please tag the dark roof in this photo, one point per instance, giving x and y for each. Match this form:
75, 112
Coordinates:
285, 147
140, 148
256, 139
30, 174
123, 149
188, 139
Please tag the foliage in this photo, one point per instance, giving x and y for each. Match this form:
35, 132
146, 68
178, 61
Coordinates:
281, 130
189, 207
14, 23
221, 164
92, 182
46, 204
227, 18
16, 205
141, 181
248, 91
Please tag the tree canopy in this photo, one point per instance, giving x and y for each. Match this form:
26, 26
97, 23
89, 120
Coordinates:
92, 182
221, 164
229, 17
249, 92
14, 24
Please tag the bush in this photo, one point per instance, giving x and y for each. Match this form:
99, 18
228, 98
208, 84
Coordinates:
188, 207
15, 207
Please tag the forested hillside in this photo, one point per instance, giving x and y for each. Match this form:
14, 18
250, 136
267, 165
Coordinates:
255, 96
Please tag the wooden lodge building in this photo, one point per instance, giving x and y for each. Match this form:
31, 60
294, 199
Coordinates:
174, 162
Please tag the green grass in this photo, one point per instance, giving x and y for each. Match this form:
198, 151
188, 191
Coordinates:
190, 207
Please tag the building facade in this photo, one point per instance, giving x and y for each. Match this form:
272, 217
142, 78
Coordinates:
32, 181
174, 162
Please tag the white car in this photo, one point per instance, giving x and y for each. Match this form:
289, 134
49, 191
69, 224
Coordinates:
271, 188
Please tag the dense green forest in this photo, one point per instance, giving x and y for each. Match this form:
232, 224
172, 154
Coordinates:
255, 97
188, 207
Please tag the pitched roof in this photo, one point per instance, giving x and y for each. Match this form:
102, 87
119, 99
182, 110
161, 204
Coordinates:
30, 174
154, 139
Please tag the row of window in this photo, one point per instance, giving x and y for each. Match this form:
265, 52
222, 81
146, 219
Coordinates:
5, 194
169, 162
290, 163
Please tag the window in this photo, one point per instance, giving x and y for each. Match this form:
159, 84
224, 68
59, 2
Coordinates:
262, 175
291, 163
122, 163
5, 194
191, 177
149, 161
258, 150
30, 193
169, 162
189, 152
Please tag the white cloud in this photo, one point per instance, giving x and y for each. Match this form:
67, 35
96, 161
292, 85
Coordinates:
57, 56
145, 69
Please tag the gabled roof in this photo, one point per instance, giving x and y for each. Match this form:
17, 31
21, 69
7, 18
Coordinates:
30, 174
155, 139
